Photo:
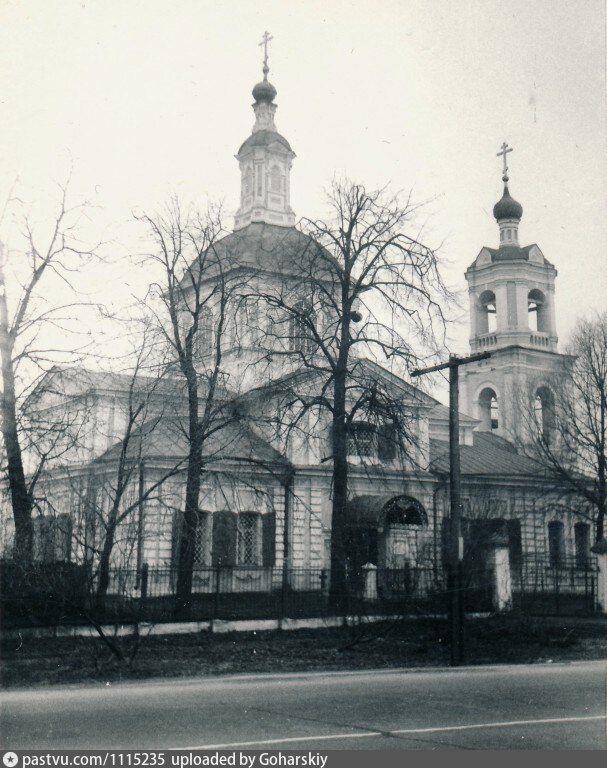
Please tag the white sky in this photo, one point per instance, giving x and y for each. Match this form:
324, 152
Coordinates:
146, 96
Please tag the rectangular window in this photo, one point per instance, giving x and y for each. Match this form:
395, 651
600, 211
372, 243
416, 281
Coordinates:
362, 440
515, 544
556, 544
249, 539
582, 544
386, 442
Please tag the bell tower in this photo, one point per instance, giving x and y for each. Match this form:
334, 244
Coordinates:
265, 160
511, 290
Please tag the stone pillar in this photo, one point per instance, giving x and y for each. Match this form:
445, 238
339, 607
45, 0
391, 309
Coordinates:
600, 550
501, 586
369, 581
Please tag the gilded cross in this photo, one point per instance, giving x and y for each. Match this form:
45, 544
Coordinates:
503, 153
266, 39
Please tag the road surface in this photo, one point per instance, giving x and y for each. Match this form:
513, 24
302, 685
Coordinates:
551, 706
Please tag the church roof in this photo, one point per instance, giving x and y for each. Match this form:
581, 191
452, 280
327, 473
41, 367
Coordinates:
364, 370
165, 438
264, 138
489, 455
76, 380
272, 248
510, 253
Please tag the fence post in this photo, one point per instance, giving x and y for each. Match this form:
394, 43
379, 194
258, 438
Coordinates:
283, 593
500, 568
143, 593
369, 581
216, 594
600, 550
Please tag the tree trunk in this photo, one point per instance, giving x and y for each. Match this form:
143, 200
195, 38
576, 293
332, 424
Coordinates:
104, 570
602, 473
20, 496
338, 596
187, 540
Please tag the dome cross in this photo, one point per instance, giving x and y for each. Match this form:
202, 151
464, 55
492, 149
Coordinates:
265, 40
503, 153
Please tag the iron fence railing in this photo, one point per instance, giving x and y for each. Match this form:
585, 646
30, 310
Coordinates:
68, 593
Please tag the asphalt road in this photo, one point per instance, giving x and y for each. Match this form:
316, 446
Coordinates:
552, 706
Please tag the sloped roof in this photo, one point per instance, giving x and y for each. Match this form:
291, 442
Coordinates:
440, 412
303, 375
510, 253
165, 438
76, 381
270, 248
489, 455
264, 138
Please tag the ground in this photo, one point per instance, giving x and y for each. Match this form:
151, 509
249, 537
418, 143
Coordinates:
36, 662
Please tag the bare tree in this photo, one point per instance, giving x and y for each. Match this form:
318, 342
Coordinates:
29, 324
194, 293
568, 423
361, 287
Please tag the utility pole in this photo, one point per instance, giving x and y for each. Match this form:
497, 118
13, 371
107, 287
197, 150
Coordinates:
456, 544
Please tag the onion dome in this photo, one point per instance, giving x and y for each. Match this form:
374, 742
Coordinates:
507, 207
264, 92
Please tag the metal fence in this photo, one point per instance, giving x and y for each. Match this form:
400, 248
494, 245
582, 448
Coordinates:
565, 587
65, 593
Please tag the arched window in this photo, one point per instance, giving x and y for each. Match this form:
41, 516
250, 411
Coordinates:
404, 510
537, 311
543, 407
487, 312
488, 409
300, 332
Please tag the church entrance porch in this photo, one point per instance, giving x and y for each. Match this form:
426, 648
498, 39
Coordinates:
390, 533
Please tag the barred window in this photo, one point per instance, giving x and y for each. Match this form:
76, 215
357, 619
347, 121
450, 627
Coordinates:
249, 539
362, 440
300, 333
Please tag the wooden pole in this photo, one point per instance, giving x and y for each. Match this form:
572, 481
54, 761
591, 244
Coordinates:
456, 548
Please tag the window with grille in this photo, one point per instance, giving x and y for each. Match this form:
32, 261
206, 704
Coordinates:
362, 440
300, 333
249, 539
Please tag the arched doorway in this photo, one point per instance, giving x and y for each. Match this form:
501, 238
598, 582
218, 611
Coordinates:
387, 531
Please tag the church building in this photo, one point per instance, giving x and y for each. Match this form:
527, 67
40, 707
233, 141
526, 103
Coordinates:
265, 502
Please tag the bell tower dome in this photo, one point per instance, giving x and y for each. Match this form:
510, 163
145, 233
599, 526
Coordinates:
265, 160
511, 290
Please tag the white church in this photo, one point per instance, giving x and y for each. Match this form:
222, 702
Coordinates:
265, 502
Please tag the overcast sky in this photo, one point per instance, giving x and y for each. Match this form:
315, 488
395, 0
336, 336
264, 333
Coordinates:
145, 96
